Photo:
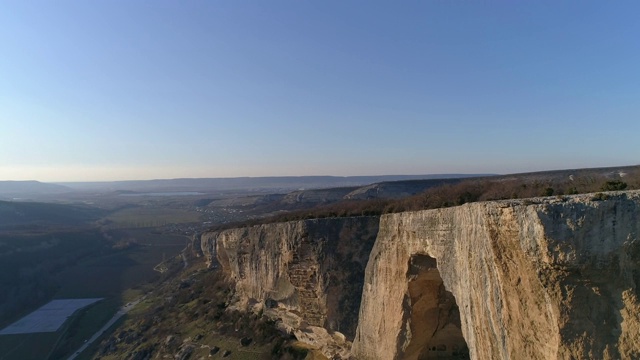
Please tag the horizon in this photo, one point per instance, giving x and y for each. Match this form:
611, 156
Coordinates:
257, 177
328, 175
125, 91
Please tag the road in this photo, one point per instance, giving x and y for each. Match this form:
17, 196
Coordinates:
123, 310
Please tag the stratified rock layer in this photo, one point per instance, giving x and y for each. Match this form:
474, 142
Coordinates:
553, 278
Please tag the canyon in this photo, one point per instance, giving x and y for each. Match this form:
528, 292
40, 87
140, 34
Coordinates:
540, 278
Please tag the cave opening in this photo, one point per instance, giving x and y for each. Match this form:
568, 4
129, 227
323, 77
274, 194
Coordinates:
434, 315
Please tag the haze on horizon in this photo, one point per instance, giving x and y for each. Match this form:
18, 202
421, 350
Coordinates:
125, 90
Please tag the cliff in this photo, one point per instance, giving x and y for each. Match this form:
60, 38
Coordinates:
534, 279
544, 278
308, 274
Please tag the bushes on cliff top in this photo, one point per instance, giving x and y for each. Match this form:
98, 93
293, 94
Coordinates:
614, 185
466, 191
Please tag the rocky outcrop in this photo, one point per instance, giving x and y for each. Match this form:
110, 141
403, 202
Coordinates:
544, 278
552, 278
308, 273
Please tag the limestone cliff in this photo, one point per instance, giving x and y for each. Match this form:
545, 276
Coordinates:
552, 278
308, 273
545, 278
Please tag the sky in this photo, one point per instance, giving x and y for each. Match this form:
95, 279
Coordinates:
122, 90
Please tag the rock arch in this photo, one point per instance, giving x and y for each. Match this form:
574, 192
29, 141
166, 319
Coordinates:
537, 279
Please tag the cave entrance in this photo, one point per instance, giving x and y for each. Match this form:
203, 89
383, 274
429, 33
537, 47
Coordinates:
435, 319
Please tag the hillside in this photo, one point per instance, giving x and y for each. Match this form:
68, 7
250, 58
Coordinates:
256, 184
26, 189
413, 195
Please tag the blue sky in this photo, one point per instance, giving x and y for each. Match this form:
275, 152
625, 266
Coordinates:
108, 90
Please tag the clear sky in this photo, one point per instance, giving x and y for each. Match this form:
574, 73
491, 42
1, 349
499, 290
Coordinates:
106, 90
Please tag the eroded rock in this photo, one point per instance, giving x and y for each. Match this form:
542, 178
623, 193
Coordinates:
544, 278
314, 268
535, 279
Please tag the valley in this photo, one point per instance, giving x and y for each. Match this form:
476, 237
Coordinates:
319, 180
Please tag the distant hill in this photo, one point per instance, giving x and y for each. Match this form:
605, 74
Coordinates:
412, 195
11, 189
397, 189
405, 188
273, 184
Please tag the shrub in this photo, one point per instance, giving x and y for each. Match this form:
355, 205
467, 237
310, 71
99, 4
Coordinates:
600, 197
614, 185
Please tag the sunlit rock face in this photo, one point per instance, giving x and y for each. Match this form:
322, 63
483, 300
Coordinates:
552, 278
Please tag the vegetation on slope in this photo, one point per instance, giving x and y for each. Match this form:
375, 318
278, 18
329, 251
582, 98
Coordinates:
519, 186
16, 214
29, 266
34, 268
187, 317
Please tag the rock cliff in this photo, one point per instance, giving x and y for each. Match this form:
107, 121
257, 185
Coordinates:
545, 278
552, 278
307, 273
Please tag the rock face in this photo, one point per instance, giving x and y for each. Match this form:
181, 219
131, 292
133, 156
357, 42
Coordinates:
313, 270
545, 278
532, 279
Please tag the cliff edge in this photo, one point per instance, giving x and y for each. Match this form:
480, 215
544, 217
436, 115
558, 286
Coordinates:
541, 278
307, 275
549, 278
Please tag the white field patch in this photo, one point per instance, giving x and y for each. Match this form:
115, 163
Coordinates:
48, 318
